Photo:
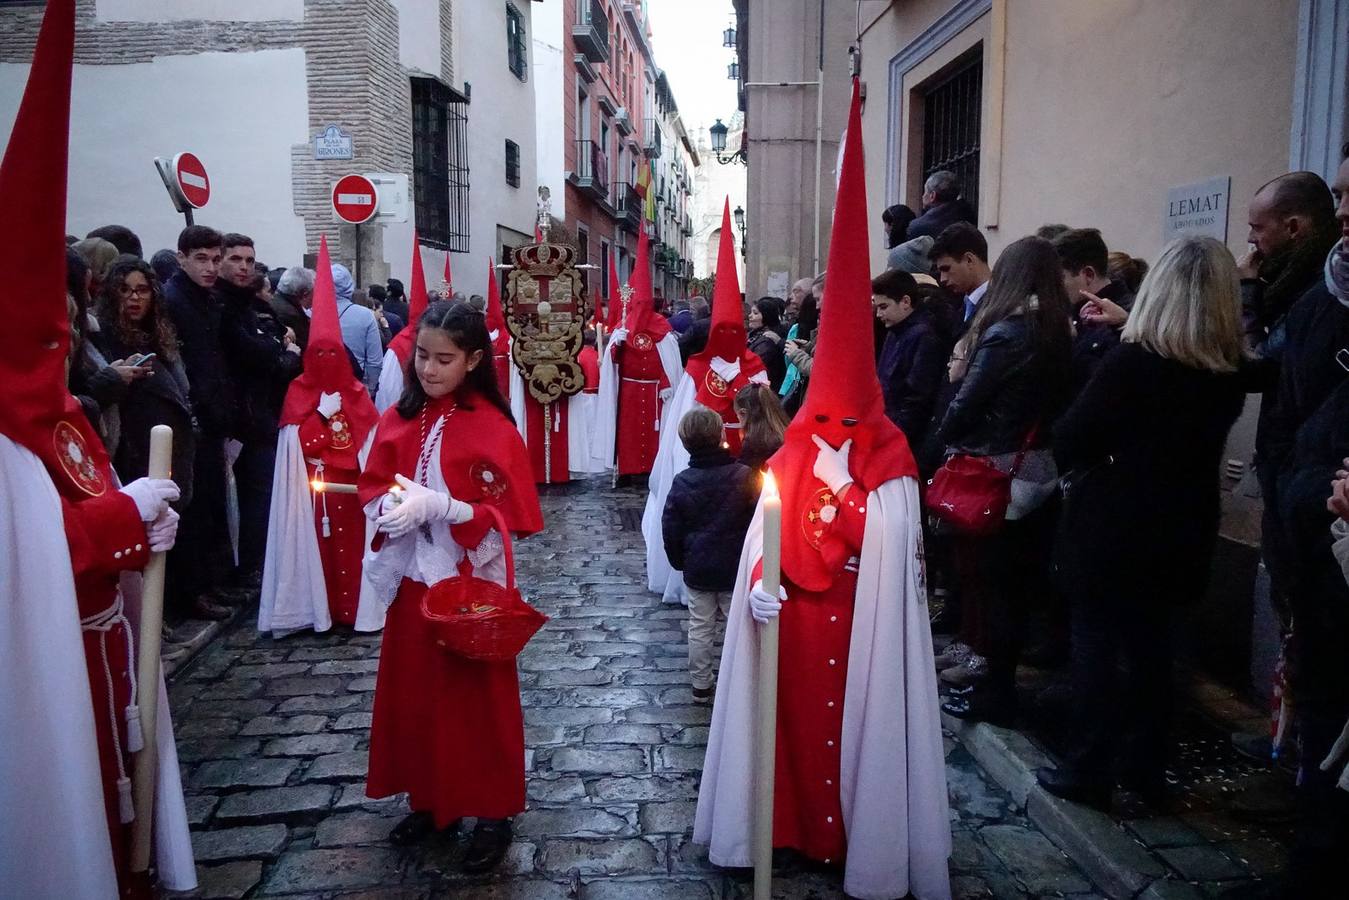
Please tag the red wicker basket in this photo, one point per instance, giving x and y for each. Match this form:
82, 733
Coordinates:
479, 619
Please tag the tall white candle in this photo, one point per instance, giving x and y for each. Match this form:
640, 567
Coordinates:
766, 736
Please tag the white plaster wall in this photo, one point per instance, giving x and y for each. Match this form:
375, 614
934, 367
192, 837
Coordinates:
712, 184
419, 34
547, 79
114, 140
199, 10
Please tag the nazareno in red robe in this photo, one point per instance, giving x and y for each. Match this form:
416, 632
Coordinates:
447, 730
642, 378
330, 455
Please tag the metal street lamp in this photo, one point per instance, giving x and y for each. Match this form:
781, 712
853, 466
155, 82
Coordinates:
718, 133
733, 71
739, 215
728, 37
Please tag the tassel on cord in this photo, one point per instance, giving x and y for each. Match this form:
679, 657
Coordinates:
135, 738
125, 807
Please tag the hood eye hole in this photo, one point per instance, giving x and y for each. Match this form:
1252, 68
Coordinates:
822, 419
849, 423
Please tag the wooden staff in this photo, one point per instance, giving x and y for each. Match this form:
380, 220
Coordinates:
147, 671
767, 731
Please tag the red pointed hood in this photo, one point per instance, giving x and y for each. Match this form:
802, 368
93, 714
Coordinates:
615, 303
496, 317
726, 339
327, 368
843, 401
37, 410
642, 314
449, 277
404, 341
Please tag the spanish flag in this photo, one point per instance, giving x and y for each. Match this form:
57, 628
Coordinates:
643, 188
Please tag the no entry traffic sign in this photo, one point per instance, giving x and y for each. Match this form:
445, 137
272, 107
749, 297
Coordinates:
355, 199
193, 182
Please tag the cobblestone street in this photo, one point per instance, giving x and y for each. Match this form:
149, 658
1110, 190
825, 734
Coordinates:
273, 737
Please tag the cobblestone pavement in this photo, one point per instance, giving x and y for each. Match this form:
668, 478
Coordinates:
273, 738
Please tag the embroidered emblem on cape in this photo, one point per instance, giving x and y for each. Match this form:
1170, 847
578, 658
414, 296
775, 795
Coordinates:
715, 384
341, 430
822, 509
74, 456
489, 479
642, 341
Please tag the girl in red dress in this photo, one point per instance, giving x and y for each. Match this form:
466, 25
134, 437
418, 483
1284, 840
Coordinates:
447, 730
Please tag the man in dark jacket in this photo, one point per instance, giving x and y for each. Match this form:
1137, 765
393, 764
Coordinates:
396, 301
942, 206
1305, 441
912, 362
694, 338
198, 561
290, 304
263, 360
706, 514
1085, 259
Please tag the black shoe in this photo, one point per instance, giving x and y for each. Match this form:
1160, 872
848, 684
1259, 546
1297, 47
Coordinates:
993, 707
416, 828
704, 695
488, 845
1067, 786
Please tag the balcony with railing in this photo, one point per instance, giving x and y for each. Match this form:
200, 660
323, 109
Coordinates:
592, 169
651, 139
629, 206
591, 31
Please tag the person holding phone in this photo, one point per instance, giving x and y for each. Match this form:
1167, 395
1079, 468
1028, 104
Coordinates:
141, 338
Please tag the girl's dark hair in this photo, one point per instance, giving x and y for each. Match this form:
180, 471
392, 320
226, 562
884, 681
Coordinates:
467, 329
768, 308
155, 332
1028, 268
808, 319
898, 218
765, 421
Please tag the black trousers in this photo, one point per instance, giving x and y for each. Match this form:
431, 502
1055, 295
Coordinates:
1126, 713
253, 480
1011, 573
200, 556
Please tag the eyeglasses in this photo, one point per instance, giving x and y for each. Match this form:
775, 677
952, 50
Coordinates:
142, 292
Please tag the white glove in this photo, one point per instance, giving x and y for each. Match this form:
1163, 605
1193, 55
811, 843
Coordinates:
152, 496
329, 404
294, 348
831, 466
665, 394
163, 531
419, 506
763, 606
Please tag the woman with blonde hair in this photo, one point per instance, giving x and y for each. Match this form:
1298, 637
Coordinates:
1142, 446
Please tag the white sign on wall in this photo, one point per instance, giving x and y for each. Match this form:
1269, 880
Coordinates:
1199, 208
334, 143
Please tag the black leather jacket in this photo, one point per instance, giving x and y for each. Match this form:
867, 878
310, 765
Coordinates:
1006, 391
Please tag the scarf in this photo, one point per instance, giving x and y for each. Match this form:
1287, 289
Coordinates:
1337, 271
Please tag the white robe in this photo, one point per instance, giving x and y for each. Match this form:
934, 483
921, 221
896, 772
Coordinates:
54, 834
671, 459
606, 415
893, 775
294, 592
390, 386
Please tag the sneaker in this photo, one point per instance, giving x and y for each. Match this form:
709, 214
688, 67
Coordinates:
704, 695
973, 670
954, 655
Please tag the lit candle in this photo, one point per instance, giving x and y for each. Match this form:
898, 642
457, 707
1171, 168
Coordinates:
766, 730
772, 535
331, 487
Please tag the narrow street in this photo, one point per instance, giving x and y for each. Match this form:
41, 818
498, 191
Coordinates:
273, 737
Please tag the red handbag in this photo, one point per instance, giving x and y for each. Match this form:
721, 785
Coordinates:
480, 619
971, 494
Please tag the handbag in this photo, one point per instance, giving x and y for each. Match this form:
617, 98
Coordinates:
971, 494
480, 619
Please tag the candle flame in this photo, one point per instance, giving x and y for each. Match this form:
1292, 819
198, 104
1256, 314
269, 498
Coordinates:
770, 484
316, 485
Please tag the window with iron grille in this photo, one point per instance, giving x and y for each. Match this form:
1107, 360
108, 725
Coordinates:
440, 164
512, 163
951, 121
516, 52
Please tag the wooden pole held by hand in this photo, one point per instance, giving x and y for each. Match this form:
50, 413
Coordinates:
147, 671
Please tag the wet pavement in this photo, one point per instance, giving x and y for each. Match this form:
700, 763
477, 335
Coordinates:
273, 737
